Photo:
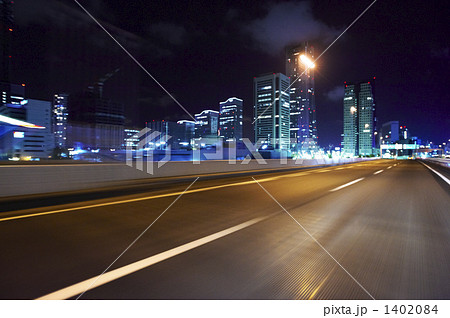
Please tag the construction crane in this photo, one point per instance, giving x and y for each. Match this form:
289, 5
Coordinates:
98, 86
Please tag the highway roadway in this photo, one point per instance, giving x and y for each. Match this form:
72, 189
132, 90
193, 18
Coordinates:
372, 230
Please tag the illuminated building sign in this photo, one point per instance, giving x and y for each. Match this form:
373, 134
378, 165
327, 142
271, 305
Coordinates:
19, 134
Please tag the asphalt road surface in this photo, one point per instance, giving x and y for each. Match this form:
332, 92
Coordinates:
378, 229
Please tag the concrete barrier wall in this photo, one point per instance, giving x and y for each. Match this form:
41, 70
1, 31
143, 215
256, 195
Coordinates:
440, 161
38, 179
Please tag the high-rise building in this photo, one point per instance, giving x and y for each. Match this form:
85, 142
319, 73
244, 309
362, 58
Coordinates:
31, 140
359, 120
230, 126
90, 56
303, 123
94, 121
177, 135
272, 110
12, 135
13, 101
130, 138
350, 136
404, 133
39, 143
390, 132
165, 130
6, 30
366, 120
207, 124
60, 119
184, 134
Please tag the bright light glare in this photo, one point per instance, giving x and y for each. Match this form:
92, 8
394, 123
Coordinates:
17, 122
352, 109
305, 60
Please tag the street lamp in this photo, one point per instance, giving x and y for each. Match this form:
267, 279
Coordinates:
306, 61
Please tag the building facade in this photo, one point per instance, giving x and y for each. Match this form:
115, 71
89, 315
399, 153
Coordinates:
13, 100
366, 120
39, 143
350, 135
95, 122
184, 134
12, 135
59, 122
303, 123
230, 125
359, 131
272, 110
390, 132
207, 124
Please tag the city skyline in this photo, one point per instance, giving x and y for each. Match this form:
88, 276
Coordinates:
332, 69
225, 151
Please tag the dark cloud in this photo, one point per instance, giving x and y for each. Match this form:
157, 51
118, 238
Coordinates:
42, 11
159, 102
288, 23
27, 12
441, 53
169, 32
336, 94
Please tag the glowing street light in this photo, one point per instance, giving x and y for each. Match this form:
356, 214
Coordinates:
353, 109
305, 60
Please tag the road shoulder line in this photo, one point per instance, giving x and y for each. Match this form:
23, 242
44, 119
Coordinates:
437, 173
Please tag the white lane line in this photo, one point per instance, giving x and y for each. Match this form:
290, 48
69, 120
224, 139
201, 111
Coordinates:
379, 171
107, 277
438, 173
389, 167
347, 184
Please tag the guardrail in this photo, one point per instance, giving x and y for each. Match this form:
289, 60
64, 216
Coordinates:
440, 161
38, 179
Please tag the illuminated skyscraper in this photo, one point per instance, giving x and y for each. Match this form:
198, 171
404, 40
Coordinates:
230, 125
272, 118
390, 132
184, 134
303, 123
359, 120
39, 143
350, 136
60, 119
366, 120
207, 124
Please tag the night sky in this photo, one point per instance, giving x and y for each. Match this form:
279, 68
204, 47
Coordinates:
206, 51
